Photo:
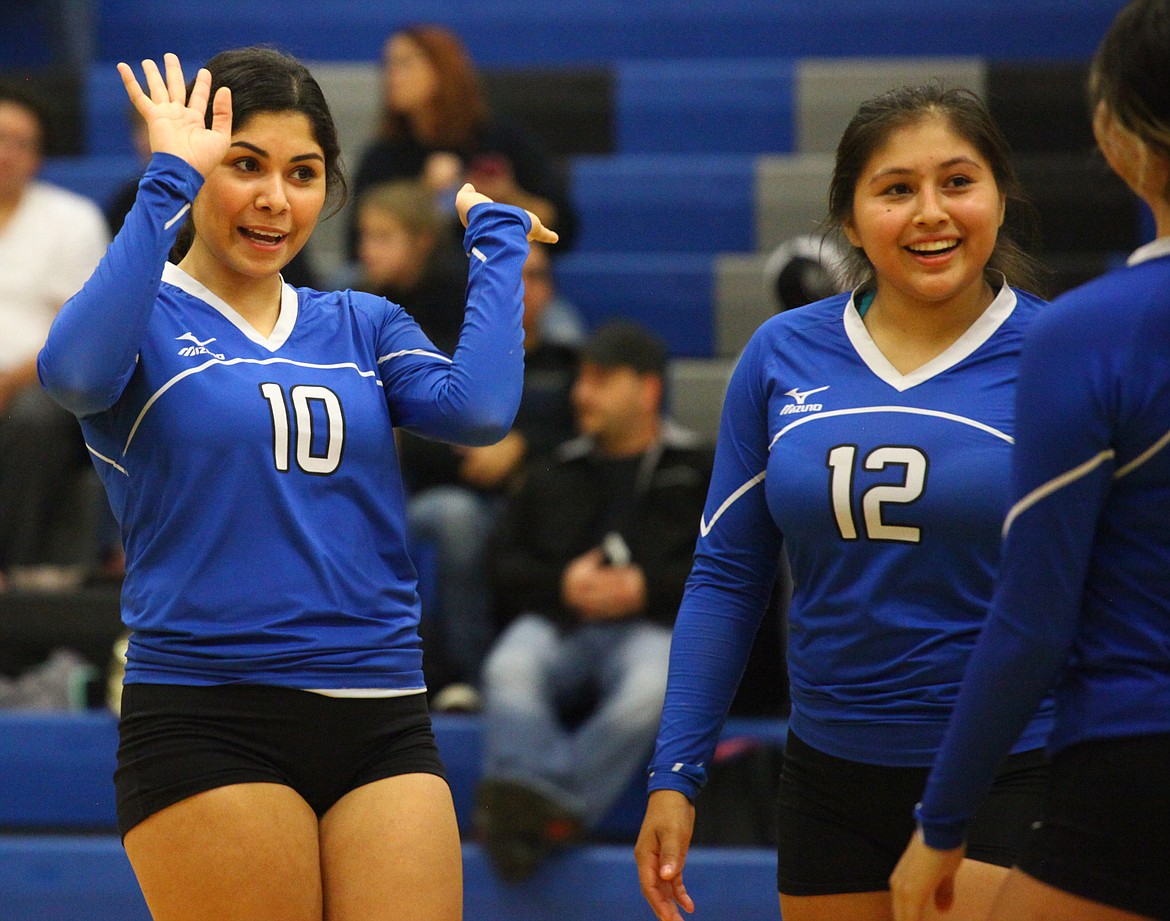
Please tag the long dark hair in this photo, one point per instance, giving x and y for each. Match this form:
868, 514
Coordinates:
1130, 73
262, 80
966, 115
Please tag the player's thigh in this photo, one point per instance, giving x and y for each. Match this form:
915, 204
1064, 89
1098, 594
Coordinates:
976, 887
1023, 898
856, 906
244, 851
390, 850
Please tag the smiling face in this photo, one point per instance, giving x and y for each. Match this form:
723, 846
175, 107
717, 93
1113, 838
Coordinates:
926, 211
260, 205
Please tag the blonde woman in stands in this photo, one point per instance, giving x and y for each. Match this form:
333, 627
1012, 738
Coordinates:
276, 758
1083, 599
868, 434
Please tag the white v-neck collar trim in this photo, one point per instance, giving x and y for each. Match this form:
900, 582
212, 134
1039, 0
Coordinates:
289, 306
1151, 250
977, 333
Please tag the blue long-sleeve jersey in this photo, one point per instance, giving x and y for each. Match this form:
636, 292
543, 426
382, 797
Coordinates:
1083, 601
887, 491
255, 477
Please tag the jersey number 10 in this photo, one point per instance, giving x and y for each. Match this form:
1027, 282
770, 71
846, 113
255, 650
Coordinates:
302, 396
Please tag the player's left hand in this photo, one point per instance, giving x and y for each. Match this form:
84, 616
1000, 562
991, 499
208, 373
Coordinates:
922, 873
661, 853
468, 197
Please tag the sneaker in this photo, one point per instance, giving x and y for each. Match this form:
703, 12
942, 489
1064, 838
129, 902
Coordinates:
519, 826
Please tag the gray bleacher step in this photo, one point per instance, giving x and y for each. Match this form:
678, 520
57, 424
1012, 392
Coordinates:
354, 93
791, 196
742, 300
829, 90
696, 387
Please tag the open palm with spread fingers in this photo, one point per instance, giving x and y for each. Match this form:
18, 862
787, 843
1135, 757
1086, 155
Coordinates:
177, 125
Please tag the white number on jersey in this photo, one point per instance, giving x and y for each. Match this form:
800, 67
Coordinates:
842, 462
302, 395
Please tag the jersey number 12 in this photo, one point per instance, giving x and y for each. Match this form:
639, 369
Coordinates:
842, 463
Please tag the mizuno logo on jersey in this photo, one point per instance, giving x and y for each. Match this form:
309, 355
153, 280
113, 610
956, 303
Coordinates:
199, 348
800, 406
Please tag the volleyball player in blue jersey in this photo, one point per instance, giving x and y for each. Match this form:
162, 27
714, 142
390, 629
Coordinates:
869, 434
1083, 599
276, 758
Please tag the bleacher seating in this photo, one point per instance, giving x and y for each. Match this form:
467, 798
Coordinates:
61, 860
520, 33
710, 106
56, 770
70, 878
96, 176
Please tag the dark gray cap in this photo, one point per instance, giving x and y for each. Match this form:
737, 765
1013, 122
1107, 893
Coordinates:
625, 344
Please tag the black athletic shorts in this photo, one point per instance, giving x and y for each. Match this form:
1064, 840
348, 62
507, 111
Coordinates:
1104, 832
844, 824
178, 740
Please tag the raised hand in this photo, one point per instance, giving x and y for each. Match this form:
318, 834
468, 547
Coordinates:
176, 124
467, 197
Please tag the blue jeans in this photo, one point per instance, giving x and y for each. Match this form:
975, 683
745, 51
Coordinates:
458, 627
534, 668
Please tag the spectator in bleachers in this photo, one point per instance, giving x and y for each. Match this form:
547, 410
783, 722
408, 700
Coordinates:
589, 564
50, 241
436, 126
406, 255
559, 320
868, 434
457, 493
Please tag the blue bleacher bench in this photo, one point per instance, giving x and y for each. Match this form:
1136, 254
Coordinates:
519, 32
710, 106
671, 293
56, 770
88, 878
61, 858
96, 176
667, 203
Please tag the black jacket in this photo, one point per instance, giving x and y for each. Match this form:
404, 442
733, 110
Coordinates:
545, 419
554, 518
535, 169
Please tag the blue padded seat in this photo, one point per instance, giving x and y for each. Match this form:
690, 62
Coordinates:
107, 112
665, 203
56, 770
671, 293
518, 32
55, 878
709, 106
95, 176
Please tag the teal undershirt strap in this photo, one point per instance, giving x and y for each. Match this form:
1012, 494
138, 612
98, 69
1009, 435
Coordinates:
864, 302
